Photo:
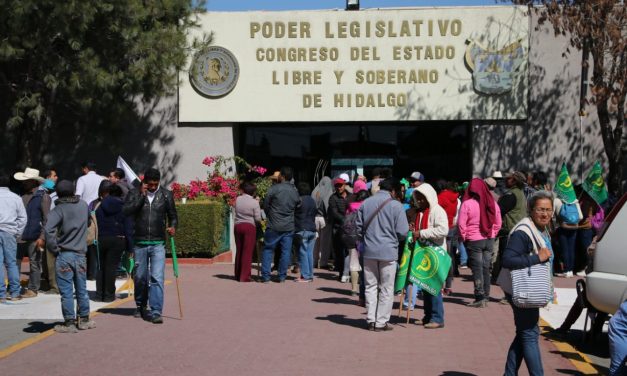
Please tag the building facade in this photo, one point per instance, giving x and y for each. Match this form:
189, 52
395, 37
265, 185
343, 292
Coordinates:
451, 92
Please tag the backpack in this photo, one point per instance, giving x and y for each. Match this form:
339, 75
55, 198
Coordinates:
349, 230
569, 214
92, 228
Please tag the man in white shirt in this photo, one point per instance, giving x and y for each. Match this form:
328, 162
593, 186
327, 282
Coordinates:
88, 184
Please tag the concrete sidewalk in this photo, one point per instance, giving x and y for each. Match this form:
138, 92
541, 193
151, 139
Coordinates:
233, 328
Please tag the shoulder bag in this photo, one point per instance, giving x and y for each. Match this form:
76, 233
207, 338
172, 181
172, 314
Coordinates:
531, 286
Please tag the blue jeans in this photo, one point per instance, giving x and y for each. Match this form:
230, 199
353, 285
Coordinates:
305, 253
463, 255
433, 308
414, 293
71, 269
567, 238
8, 252
525, 344
271, 239
149, 262
617, 334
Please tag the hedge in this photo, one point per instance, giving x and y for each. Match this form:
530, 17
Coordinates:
203, 229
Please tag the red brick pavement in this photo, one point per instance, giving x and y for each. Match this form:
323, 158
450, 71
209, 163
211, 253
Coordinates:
233, 328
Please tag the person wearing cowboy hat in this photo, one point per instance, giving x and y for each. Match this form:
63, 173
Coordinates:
37, 203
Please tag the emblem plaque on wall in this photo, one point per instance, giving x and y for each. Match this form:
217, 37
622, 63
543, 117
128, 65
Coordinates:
214, 72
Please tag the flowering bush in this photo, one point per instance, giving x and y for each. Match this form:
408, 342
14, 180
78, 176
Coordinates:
222, 180
180, 190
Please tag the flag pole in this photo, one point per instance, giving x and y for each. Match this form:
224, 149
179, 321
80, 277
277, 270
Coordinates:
409, 297
175, 266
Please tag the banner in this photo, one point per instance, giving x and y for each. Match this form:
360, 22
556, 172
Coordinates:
564, 188
403, 266
595, 185
429, 267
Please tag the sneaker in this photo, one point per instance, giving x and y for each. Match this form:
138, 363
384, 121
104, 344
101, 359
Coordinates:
29, 294
371, 327
85, 323
16, 297
141, 312
385, 328
478, 304
564, 275
581, 273
303, 280
67, 327
345, 279
434, 325
157, 319
463, 266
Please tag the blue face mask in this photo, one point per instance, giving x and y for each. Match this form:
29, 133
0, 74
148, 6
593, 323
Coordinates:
48, 184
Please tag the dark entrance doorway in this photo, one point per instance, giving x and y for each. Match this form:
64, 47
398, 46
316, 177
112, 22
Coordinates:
437, 149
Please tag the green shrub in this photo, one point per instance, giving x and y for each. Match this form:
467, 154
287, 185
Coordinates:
203, 229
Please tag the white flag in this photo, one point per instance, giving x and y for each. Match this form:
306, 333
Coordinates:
131, 176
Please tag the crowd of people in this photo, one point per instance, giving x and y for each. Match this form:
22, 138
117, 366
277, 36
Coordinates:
492, 225
72, 233
355, 227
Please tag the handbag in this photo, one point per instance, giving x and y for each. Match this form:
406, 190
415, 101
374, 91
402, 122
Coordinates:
531, 286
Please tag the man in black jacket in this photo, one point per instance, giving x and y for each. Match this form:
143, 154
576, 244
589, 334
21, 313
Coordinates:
149, 205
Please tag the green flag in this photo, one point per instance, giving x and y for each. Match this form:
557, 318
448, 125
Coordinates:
130, 265
175, 263
595, 185
403, 267
564, 187
429, 267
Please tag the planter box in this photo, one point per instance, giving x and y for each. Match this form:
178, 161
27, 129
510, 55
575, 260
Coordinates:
203, 229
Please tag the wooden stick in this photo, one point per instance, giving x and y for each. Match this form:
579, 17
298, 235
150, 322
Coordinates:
409, 296
400, 303
179, 295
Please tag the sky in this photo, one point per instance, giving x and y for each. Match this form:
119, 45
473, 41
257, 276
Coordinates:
243, 5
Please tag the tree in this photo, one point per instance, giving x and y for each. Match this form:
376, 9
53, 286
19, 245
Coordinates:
598, 29
85, 63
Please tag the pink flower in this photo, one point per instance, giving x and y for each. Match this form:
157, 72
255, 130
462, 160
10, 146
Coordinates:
258, 169
208, 161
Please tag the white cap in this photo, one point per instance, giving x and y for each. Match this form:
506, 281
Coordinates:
497, 175
345, 177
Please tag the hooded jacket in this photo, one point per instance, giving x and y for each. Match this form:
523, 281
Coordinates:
66, 228
448, 201
437, 228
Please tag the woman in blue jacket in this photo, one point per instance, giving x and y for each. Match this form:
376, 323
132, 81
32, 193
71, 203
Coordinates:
114, 236
529, 244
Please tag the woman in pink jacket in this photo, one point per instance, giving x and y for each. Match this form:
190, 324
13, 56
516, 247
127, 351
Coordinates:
479, 222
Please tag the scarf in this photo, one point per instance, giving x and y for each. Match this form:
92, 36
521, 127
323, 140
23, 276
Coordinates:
422, 222
322, 193
478, 190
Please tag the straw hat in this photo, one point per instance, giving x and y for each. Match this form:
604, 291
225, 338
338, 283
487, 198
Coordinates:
28, 174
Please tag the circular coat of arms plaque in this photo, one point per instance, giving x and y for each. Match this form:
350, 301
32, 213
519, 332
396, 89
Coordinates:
214, 72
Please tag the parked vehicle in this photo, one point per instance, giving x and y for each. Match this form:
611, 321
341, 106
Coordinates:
606, 286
